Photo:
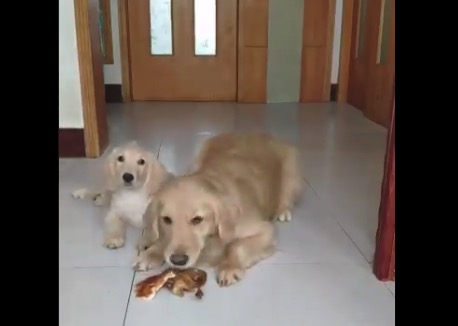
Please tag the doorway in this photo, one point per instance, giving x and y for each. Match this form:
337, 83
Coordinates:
183, 50
368, 84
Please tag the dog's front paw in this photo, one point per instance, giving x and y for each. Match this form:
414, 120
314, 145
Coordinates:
114, 243
99, 199
80, 193
229, 275
285, 216
144, 244
145, 262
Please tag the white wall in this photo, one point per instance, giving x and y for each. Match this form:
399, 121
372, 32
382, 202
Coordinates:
112, 73
70, 103
336, 43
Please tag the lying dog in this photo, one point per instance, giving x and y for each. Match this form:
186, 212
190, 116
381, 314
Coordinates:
133, 175
222, 214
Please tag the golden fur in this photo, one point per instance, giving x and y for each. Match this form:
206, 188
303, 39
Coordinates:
128, 200
222, 213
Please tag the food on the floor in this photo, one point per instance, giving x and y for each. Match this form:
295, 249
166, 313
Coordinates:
147, 289
178, 281
187, 280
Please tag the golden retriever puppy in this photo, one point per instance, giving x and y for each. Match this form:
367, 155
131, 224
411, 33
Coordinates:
222, 214
132, 177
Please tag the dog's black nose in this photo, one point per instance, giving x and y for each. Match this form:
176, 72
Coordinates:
179, 260
127, 177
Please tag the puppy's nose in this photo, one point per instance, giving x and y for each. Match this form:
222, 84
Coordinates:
127, 177
178, 259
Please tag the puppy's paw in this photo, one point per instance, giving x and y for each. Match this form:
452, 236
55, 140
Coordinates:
144, 244
229, 275
145, 262
99, 199
80, 193
285, 216
114, 242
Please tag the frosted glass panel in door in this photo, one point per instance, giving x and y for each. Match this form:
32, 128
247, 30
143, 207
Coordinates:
204, 27
161, 27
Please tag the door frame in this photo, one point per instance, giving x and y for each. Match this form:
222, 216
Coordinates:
125, 53
384, 257
90, 61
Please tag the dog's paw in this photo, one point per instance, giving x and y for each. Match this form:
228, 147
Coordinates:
114, 243
80, 193
144, 263
144, 244
99, 199
285, 216
229, 275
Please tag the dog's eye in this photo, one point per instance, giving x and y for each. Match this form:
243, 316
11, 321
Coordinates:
197, 220
121, 158
167, 220
141, 162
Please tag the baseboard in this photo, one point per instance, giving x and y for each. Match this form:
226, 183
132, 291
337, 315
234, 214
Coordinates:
113, 93
71, 142
334, 91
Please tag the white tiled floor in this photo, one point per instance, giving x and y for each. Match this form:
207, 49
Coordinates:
321, 274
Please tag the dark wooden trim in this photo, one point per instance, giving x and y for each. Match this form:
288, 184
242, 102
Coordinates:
113, 93
384, 262
125, 54
334, 92
107, 31
71, 143
345, 49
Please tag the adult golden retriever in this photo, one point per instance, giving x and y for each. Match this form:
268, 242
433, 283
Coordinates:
222, 214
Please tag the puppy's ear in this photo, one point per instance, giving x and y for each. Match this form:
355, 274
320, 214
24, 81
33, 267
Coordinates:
157, 174
109, 169
151, 220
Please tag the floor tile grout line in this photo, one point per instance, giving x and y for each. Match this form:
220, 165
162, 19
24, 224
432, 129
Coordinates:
337, 221
330, 262
159, 150
135, 273
388, 288
354, 243
308, 183
128, 299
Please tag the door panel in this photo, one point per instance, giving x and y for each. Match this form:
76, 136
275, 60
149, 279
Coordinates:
180, 63
371, 73
380, 95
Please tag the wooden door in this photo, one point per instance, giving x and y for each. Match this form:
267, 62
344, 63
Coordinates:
371, 72
183, 50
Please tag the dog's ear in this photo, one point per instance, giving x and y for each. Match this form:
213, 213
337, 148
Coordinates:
109, 169
226, 217
151, 219
157, 174
227, 211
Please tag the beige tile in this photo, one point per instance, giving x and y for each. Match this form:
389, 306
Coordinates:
276, 294
317, 277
